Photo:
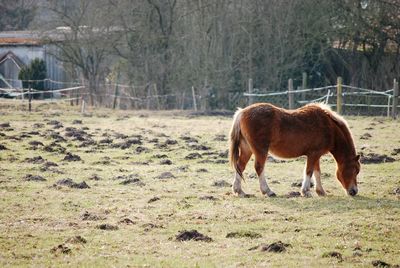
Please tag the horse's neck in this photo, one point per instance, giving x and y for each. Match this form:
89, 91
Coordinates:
344, 146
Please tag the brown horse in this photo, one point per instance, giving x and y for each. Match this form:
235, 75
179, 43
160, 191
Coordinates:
312, 130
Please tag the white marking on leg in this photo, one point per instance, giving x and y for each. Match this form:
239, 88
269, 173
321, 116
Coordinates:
264, 186
305, 187
237, 185
318, 185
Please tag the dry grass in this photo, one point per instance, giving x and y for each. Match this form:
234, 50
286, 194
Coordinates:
39, 221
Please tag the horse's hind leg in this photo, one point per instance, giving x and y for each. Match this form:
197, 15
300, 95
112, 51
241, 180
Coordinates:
244, 156
308, 172
259, 166
317, 175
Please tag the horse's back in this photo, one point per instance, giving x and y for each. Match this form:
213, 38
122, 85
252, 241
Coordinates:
288, 133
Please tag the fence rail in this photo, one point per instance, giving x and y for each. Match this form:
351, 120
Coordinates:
345, 98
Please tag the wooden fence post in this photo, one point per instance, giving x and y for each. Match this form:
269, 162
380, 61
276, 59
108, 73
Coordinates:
395, 98
339, 100
30, 100
156, 95
83, 106
251, 89
116, 93
194, 99
304, 85
290, 94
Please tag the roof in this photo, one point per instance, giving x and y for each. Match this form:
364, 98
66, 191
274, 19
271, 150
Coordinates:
19, 38
13, 57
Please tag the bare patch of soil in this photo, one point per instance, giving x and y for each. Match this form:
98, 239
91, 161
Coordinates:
192, 235
54, 147
5, 125
201, 170
373, 158
30, 177
220, 137
141, 149
395, 151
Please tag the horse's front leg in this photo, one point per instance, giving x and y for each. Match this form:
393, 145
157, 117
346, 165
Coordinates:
308, 172
317, 175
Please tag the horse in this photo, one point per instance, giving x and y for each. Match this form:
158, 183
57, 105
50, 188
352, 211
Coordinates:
312, 131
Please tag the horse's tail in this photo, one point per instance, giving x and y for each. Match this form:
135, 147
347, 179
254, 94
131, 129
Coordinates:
235, 136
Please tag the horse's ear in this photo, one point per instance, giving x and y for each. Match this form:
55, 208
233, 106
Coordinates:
357, 157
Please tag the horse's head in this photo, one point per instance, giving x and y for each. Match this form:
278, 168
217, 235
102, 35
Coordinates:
347, 175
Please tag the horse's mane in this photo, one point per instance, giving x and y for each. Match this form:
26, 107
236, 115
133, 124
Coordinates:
339, 121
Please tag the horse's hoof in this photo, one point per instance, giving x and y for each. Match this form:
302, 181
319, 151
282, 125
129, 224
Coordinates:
320, 193
271, 194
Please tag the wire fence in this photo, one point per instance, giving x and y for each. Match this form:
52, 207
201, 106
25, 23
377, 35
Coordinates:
352, 100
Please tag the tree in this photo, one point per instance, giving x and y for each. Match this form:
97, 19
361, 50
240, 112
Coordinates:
16, 15
33, 75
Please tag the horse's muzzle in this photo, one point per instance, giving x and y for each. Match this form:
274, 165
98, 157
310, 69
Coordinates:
353, 191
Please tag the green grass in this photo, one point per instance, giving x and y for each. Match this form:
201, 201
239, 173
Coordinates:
36, 217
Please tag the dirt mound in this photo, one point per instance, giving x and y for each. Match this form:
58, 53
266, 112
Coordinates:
77, 122
54, 147
127, 221
127, 144
141, 149
165, 162
379, 263
373, 158
333, 254
61, 249
3, 148
5, 125
293, 194
395, 151
30, 177
153, 199
365, 136
107, 227
72, 157
87, 216
221, 183
76, 240
36, 143
165, 175
94, 177
244, 234
220, 137
70, 183
208, 197
35, 160
134, 181
192, 235
106, 141
273, 247
193, 156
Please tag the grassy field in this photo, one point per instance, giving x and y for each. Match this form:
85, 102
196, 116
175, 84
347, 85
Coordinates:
153, 175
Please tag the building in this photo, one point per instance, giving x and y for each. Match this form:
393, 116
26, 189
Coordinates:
18, 49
